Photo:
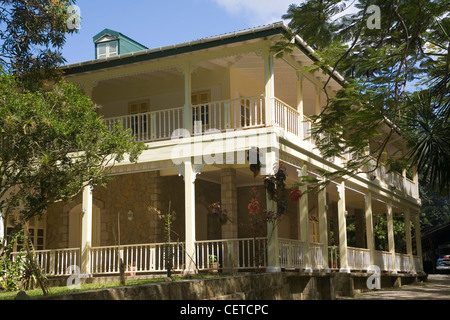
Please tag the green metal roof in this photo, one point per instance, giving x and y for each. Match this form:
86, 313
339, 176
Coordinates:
117, 35
186, 47
149, 54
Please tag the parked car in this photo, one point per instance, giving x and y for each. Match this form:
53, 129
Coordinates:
443, 262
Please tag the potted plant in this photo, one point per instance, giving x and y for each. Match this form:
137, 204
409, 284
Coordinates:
213, 263
131, 270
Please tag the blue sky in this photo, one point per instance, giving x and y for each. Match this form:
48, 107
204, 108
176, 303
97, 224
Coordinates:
156, 23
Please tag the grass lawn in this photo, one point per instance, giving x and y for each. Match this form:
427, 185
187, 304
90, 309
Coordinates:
103, 285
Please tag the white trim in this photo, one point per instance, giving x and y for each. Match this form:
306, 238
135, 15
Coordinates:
106, 38
109, 49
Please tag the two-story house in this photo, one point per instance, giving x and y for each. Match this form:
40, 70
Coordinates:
200, 107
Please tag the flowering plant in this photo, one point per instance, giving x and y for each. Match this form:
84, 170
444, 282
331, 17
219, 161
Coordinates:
295, 195
253, 206
217, 210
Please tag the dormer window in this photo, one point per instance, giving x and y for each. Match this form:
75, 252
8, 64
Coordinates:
110, 43
107, 49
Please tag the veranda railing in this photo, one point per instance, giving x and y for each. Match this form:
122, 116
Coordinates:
247, 253
293, 254
358, 258
55, 262
137, 258
230, 254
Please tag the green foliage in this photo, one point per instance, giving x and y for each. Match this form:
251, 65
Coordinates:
381, 233
379, 65
435, 209
168, 218
32, 34
428, 131
14, 270
315, 15
52, 143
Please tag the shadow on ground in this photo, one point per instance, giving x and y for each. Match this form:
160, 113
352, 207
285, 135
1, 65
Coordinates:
437, 287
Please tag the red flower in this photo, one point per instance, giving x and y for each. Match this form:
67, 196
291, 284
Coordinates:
295, 195
253, 206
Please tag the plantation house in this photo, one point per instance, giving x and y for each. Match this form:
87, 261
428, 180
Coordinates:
201, 107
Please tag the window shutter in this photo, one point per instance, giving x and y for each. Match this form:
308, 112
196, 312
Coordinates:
133, 108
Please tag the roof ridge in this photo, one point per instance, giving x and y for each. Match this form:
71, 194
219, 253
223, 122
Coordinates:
267, 27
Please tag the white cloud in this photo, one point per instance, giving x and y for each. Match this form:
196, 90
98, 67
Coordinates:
257, 12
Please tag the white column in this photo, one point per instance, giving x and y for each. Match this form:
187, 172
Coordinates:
269, 88
416, 182
189, 172
342, 222
300, 102
86, 230
369, 227
303, 218
273, 261
318, 107
408, 239
187, 110
2, 228
323, 227
390, 229
416, 222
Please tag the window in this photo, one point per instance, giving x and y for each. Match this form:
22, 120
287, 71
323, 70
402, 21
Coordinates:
107, 49
200, 112
36, 231
313, 229
139, 117
245, 113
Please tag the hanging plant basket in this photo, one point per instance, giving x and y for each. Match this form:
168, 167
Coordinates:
216, 210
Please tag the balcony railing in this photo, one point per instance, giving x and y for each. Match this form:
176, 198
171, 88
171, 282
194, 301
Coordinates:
240, 113
150, 126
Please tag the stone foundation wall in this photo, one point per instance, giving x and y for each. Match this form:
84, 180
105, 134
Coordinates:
263, 286
245, 287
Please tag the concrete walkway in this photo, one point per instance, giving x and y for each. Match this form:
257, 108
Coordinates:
437, 287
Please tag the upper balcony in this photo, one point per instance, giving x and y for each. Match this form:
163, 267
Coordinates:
228, 82
243, 114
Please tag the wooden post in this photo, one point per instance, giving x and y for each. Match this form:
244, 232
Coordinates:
390, 227
187, 111
86, 231
408, 239
269, 88
342, 221
303, 214
323, 227
369, 227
